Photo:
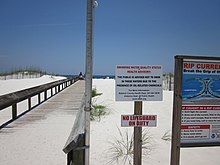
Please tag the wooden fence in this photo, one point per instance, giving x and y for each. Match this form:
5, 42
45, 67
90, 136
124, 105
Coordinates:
21, 75
168, 82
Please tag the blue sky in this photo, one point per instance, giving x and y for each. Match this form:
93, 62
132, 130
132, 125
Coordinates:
50, 34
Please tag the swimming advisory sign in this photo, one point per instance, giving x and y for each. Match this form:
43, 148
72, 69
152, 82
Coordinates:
138, 83
200, 102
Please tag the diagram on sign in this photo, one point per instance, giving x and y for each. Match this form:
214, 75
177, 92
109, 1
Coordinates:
200, 88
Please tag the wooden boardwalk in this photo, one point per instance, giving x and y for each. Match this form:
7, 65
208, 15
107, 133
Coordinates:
39, 136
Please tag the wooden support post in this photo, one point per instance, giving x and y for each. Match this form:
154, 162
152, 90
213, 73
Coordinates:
14, 111
51, 92
55, 89
170, 82
137, 135
177, 107
59, 88
70, 158
45, 95
29, 103
39, 100
79, 154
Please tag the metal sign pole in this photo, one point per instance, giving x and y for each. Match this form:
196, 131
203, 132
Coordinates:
177, 107
137, 135
88, 75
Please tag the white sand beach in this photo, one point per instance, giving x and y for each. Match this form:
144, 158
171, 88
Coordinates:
105, 131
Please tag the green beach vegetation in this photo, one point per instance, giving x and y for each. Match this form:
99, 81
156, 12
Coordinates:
98, 110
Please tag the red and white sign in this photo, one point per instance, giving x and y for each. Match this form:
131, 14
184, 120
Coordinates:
138, 120
200, 115
195, 132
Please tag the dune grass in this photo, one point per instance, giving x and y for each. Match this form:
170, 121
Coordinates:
122, 149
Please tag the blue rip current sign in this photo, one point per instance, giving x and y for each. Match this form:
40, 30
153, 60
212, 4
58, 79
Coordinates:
200, 102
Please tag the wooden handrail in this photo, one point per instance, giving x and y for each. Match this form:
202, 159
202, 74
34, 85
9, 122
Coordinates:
75, 145
12, 99
16, 97
77, 131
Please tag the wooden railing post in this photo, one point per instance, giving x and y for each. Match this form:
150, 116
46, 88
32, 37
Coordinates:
14, 111
55, 89
170, 81
51, 92
29, 103
45, 95
78, 155
39, 100
59, 88
70, 158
